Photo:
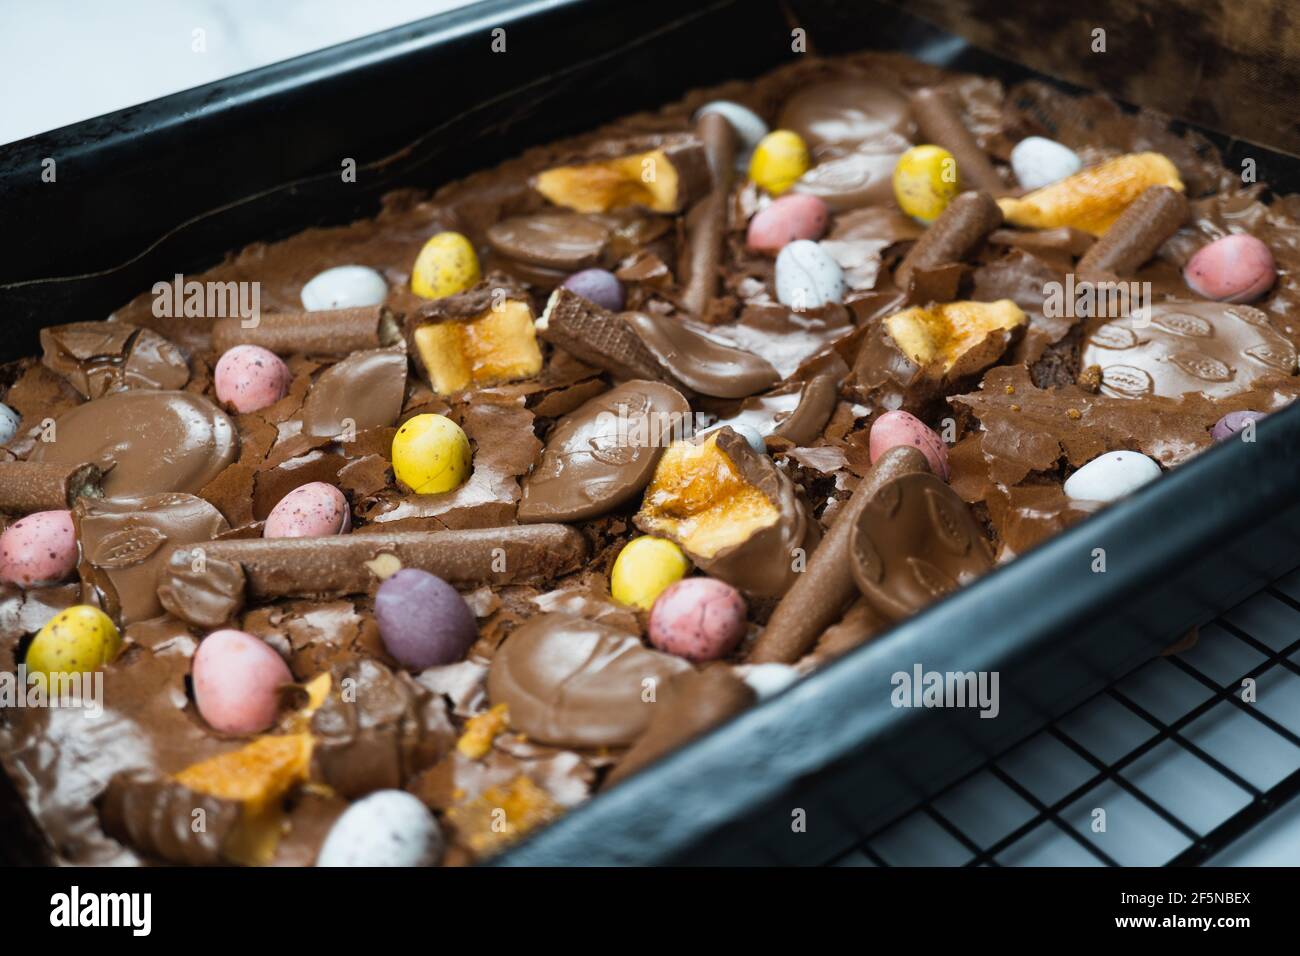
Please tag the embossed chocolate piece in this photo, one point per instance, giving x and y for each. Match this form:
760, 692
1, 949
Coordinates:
705, 364
125, 543
846, 111
564, 241
913, 543
101, 357
576, 683
146, 442
603, 454
819, 595
1216, 349
365, 390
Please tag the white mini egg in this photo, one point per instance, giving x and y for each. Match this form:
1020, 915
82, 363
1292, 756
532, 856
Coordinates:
344, 287
768, 680
9, 420
1039, 162
387, 828
807, 277
749, 126
1111, 476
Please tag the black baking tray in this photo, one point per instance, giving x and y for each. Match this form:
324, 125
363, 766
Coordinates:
172, 185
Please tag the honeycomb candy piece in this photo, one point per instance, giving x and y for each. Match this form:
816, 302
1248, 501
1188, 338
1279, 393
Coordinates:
501, 815
257, 775
480, 731
1093, 198
497, 345
954, 339
666, 177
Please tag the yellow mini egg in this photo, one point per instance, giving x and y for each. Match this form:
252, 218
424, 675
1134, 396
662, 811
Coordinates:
78, 639
431, 455
446, 265
780, 158
925, 181
644, 569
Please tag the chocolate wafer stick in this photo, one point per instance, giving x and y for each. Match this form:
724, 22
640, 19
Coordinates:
953, 236
941, 124
819, 595
283, 567
707, 221
600, 338
1135, 236
27, 486
328, 332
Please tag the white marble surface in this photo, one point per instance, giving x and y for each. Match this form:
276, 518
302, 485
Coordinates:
62, 61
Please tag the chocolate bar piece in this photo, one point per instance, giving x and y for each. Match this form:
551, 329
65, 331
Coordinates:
328, 332
939, 122
1136, 235
706, 224
819, 595
284, 567
959, 229
600, 338
27, 486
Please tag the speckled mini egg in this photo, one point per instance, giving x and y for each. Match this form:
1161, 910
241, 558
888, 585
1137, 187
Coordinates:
39, 549
237, 682
1111, 476
423, 620
314, 510
9, 421
599, 286
386, 828
78, 639
700, 619
1236, 268
901, 428
249, 378
789, 217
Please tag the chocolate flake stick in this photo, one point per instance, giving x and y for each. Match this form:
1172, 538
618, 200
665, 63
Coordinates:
940, 123
707, 222
954, 235
1135, 236
328, 332
27, 486
283, 567
819, 595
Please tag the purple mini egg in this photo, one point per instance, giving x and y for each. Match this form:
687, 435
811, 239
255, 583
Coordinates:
314, 510
423, 620
598, 286
249, 378
39, 549
1233, 422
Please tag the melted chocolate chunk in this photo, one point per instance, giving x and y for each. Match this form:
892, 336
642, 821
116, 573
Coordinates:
146, 442
577, 683
101, 357
363, 391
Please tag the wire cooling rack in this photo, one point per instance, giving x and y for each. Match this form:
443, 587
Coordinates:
1172, 765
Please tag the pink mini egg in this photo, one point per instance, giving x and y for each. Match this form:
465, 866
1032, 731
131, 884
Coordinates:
315, 510
249, 377
900, 428
700, 619
1236, 268
792, 216
39, 549
237, 681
